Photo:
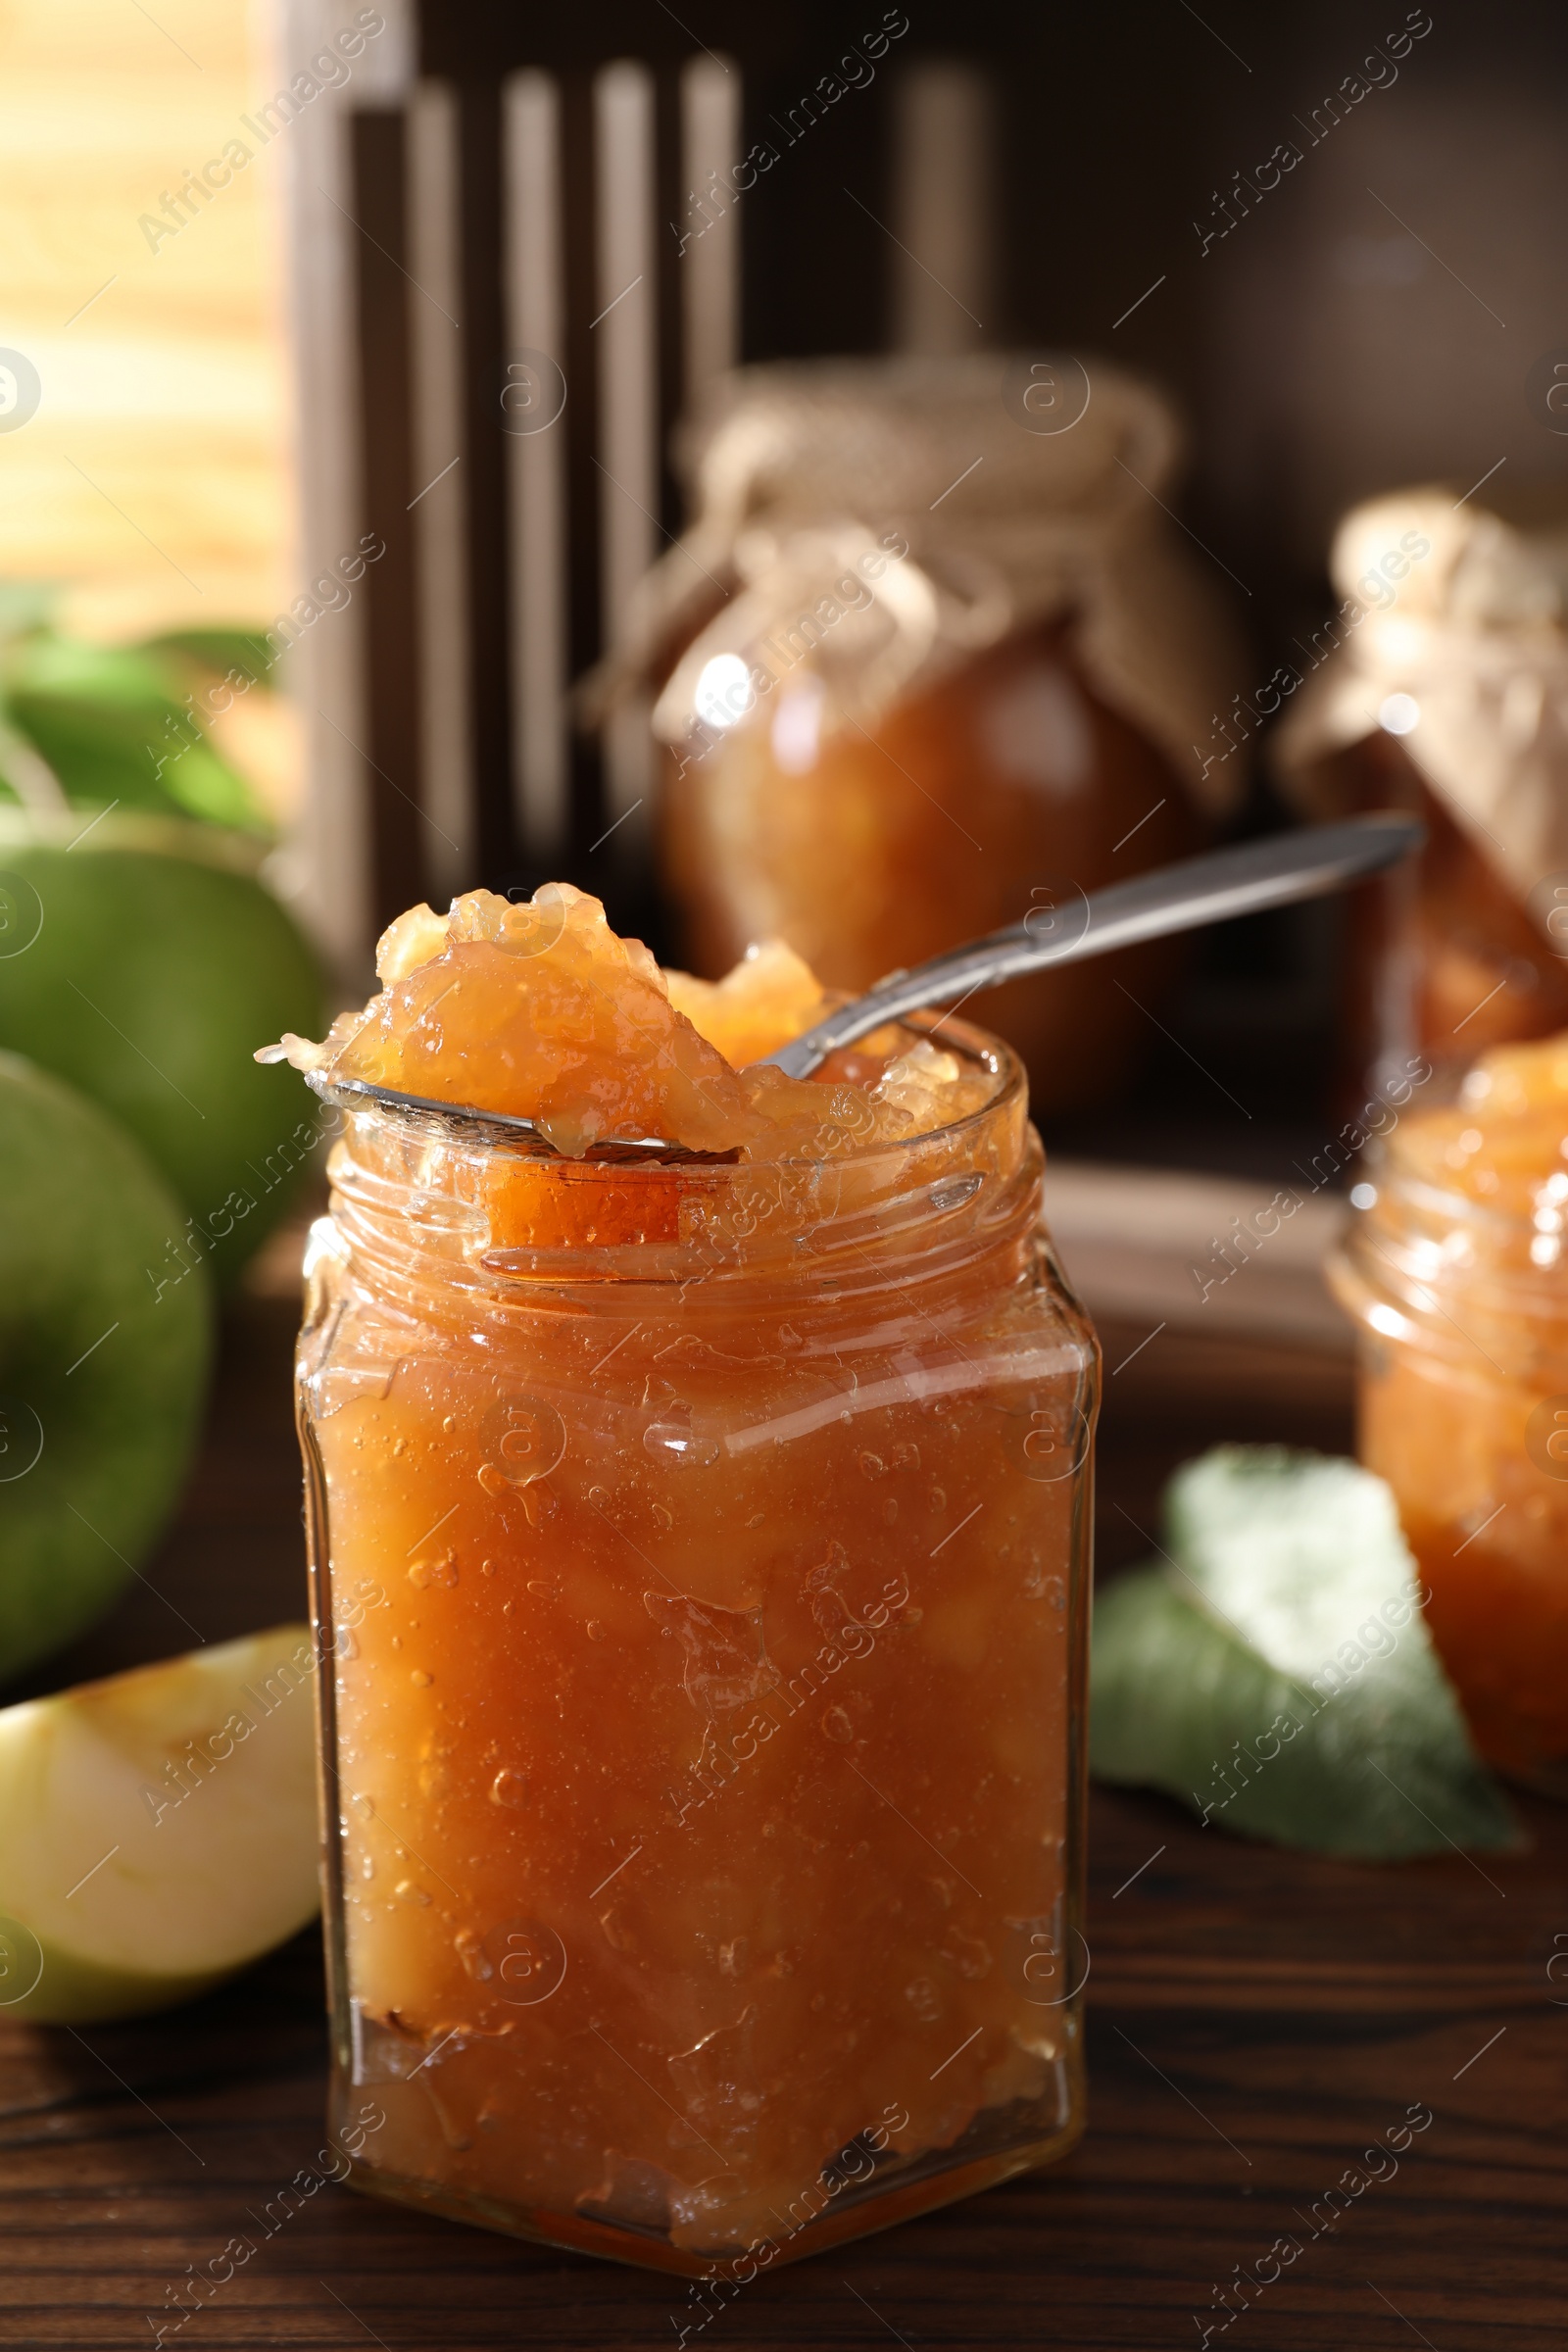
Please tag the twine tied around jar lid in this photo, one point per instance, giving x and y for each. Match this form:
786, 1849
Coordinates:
1451, 634
886, 519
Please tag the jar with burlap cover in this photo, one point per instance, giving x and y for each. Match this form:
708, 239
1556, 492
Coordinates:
932, 654
1441, 683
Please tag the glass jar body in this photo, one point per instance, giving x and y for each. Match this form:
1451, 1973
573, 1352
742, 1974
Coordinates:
1442, 959
1007, 785
705, 1760
1463, 1408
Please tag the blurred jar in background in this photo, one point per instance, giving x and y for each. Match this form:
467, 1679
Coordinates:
932, 657
1454, 1267
1441, 684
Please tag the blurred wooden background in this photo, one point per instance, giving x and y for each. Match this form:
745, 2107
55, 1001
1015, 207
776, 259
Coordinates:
1040, 178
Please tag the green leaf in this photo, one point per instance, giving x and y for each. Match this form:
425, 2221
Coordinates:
1277, 1673
221, 651
109, 725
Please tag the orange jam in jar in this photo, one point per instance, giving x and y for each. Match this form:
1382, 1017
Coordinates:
1440, 684
959, 808
930, 659
704, 1799
1440, 958
1455, 1268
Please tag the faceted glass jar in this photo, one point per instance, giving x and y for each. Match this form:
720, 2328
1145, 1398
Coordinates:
1463, 1408
708, 1545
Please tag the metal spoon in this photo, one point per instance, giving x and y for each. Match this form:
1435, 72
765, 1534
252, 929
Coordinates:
1303, 864
1067, 928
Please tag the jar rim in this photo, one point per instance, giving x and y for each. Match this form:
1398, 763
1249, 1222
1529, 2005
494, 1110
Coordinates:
489, 1206
1398, 1271
460, 1125
1390, 1175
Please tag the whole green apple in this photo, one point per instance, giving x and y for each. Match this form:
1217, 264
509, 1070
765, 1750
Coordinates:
145, 964
101, 1374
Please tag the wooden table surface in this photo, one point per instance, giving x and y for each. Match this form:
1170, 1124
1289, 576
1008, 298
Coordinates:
1256, 2020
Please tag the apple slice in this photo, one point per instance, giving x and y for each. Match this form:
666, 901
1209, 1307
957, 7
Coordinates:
157, 1831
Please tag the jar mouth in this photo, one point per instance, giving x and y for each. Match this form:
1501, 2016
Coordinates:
504, 1131
1461, 1211
1418, 1258
446, 1198
1498, 1227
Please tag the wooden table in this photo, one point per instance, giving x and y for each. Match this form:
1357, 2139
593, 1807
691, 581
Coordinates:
1256, 2021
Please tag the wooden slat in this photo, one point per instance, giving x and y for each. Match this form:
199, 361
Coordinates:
392, 731
708, 301
329, 858
536, 450
438, 501
625, 339
584, 482
484, 466
943, 168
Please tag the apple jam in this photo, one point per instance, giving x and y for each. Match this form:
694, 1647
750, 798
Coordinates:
1006, 786
930, 658
1455, 1272
703, 1835
1442, 959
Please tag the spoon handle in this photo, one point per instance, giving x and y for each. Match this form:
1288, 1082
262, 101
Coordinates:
1070, 925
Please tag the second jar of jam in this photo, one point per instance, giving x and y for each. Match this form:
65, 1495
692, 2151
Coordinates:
1440, 684
933, 658
1455, 1268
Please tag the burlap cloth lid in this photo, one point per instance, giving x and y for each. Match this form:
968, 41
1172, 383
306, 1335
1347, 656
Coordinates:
796, 472
1476, 634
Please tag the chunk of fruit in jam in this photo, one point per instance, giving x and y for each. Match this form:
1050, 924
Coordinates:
541, 1011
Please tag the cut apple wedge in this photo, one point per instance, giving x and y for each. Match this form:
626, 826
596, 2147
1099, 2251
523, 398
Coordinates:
157, 1831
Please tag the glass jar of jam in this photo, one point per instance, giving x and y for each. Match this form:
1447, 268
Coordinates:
1440, 684
705, 1800
1454, 1267
929, 826
931, 656
1442, 959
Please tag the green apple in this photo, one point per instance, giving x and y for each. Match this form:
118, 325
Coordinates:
145, 964
102, 1372
157, 1831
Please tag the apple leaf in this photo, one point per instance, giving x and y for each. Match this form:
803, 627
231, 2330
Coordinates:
108, 721
1276, 1673
221, 651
